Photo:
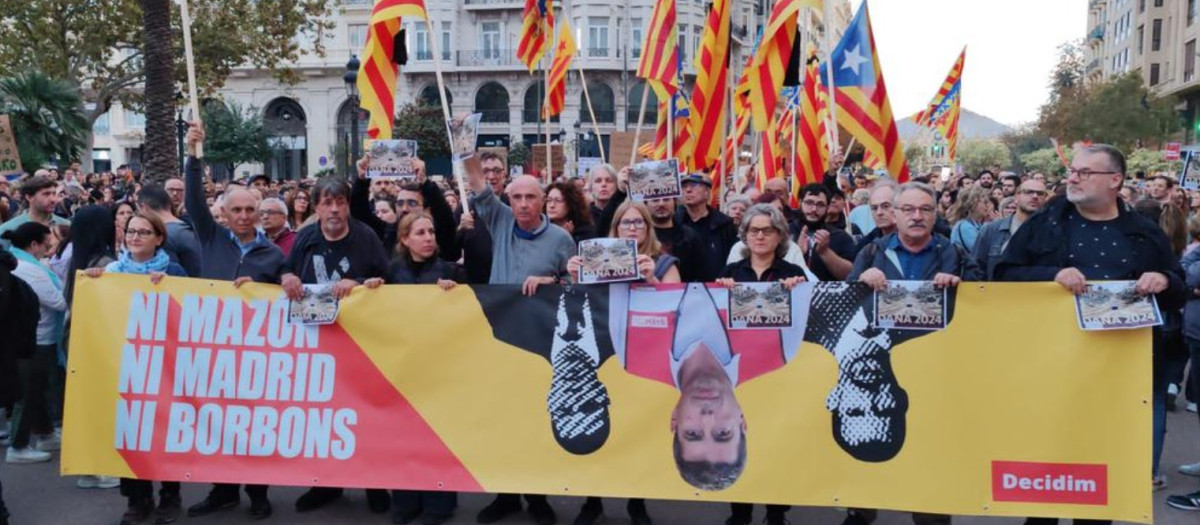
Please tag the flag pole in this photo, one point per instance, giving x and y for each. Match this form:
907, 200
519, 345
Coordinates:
637, 133
194, 103
546, 100
671, 128
827, 37
595, 126
437, 69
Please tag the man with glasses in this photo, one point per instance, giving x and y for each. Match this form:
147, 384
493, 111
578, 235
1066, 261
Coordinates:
828, 252
879, 203
181, 245
495, 172
1089, 236
994, 236
715, 230
424, 194
175, 189
272, 216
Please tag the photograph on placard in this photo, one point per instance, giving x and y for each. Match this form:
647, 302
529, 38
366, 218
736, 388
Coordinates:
759, 306
1190, 178
317, 306
1116, 305
911, 305
608, 260
656, 179
465, 131
392, 160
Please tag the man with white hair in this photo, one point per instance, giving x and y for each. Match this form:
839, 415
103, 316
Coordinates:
272, 216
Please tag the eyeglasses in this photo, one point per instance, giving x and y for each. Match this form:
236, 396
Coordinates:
1085, 174
267, 213
913, 210
885, 206
145, 234
493, 171
755, 232
633, 224
1032, 193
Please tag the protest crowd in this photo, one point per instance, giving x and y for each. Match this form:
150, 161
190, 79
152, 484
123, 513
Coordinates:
352, 231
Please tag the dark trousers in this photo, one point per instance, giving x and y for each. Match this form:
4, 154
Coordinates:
229, 491
142, 489
426, 502
3, 509
32, 414
919, 518
516, 498
744, 511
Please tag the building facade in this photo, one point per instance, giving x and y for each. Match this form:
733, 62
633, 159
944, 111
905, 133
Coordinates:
474, 41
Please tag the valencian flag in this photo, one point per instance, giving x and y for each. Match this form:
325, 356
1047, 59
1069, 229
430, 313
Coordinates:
380, 64
659, 63
771, 59
536, 28
942, 112
861, 96
563, 54
812, 144
708, 94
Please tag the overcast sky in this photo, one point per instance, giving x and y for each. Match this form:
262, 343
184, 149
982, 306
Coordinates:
1010, 50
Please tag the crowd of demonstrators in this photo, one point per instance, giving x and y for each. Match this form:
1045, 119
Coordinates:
1094, 223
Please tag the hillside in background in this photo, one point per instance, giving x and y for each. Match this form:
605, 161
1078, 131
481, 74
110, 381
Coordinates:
971, 126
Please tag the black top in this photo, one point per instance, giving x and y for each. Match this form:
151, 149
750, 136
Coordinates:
404, 270
717, 235
684, 245
841, 243
742, 272
358, 256
1098, 250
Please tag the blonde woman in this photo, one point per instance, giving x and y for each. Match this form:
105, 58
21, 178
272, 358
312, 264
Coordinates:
632, 221
974, 209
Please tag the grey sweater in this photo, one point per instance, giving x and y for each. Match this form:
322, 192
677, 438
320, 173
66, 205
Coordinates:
514, 258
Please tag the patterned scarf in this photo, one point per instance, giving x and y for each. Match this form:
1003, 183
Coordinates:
126, 264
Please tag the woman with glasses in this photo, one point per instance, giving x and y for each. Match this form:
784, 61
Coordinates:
567, 208
298, 208
145, 235
633, 222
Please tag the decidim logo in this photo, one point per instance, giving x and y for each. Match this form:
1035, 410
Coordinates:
1073, 483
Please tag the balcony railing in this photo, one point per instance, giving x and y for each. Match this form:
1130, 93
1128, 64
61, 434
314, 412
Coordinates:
1093, 65
423, 55
602, 116
597, 52
635, 52
488, 58
1097, 33
493, 115
496, 3
533, 116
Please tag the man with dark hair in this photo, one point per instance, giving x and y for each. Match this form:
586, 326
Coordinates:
495, 172
1009, 183
342, 253
986, 179
41, 197
994, 236
680, 242
1090, 236
181, 245
1159, 188
835, 215
425, 195
828, 251
715, 230
237, 253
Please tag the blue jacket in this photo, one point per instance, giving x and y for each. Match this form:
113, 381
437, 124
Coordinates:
947, 258
221, 256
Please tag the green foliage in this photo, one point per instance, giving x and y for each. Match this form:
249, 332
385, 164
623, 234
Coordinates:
1023, 140
426, 125
1044, 160
1150, 161
518, 154
916, 155
45, 117
234, 135
976, 155
1119, 111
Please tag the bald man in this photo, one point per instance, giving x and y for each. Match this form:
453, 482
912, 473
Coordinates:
526, 248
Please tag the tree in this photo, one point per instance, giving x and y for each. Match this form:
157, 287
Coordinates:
45, 117
976, 155
1044, 161
1022, 140
158, 150
1150, 161
234, 135
97, 46
518, 154
425, 124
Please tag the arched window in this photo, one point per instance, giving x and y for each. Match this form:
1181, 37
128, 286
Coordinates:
429, 96
492, 101
603, 103
287, 134
531, 109
635, 102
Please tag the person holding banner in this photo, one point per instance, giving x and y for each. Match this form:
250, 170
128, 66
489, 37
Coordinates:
145, 236
425, 195
238, 253
1089, 236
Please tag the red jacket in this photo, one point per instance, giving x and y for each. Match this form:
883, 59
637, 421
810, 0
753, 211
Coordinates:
285, 240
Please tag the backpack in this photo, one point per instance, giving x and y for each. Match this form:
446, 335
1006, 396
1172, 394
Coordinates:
23, 321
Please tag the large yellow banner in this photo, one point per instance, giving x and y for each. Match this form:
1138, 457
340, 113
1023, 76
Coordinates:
687, 392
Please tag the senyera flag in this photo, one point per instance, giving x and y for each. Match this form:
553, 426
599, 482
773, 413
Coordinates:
708, 96
659, 63
380, 64
771, 59
536, 27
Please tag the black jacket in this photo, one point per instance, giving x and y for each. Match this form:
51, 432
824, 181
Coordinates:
405, 271
221, 258
10, 381
372, 260
717, 235
1038, 250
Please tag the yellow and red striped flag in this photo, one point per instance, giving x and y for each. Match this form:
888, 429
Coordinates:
769, 157
708, 94
659, 63
377, 72
771, 59
943, 111
536, 29
558, 72
812, 144
680, 147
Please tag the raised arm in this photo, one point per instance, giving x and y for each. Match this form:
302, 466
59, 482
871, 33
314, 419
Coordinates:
194, 201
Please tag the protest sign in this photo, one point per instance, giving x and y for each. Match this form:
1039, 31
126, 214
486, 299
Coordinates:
10, 158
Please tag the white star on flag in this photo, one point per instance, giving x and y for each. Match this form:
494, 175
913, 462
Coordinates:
853, 59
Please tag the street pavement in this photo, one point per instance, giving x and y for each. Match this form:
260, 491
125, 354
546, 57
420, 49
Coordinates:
37, 495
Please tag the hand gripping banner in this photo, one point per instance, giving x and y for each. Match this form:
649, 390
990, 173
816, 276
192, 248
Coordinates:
622, 391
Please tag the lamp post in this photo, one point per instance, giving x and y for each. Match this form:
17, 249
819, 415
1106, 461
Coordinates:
181, 126
351, 79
